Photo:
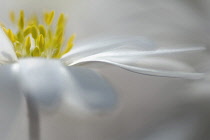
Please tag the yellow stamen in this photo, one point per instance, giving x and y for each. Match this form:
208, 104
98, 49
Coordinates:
11, 35
37, 38
61, 20
18, 54
12, 16
42, 30
56, 53
34, 32
20, 36
49, 17
36, 52
41, 42
27, 31
21, 20
69, 44
28, 45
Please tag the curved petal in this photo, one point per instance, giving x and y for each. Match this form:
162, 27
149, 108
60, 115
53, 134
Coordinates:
147, 71
100, 46
7, 53
42, 80
50, 84
10, 99
90, 91
121, 57
159, 63
125, 53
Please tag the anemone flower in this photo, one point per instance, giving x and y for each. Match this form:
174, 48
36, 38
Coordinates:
35, 39
34, 63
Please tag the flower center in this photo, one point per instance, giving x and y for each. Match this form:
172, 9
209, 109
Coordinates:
38, 38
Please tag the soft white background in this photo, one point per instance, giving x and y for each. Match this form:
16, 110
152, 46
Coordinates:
150, 108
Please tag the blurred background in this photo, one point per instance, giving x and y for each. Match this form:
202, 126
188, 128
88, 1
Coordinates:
149, 108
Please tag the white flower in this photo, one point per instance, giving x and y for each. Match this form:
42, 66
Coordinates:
40, 40
50, 83
36, 40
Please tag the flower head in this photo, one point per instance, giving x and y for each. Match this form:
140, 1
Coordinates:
50, 83
38, 38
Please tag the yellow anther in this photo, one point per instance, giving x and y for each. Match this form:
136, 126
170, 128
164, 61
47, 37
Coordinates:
41, 42
34, 31
59, 37
27, 31
20, 36
36, 52
33, 39
46, 14
61, 24
28, 45
48, 18
21, 20
11, 35
50, 34
61, 20
12, 16
56, 53
69, 44
51, 17
18, 54
42, 30
17, 46
8, 33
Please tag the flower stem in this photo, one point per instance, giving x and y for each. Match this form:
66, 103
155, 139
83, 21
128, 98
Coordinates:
33, 118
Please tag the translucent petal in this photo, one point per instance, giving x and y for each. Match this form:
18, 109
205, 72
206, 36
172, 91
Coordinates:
10, 99
89, 91
42, 80
7, 53
129, 52
146, 71
100, 46
157, 63
50, 84
124, 58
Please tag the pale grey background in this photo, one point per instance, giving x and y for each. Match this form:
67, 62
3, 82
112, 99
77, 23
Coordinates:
150, 108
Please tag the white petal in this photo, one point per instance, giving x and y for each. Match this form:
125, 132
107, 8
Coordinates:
50, 83
89, 91
147, 71
157, 63
100, 46
140, 57
7, 53
11, 99
42, 80
129, 52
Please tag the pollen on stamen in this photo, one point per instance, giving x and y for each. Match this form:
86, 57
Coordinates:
39, 38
